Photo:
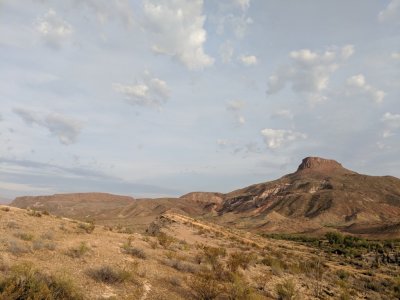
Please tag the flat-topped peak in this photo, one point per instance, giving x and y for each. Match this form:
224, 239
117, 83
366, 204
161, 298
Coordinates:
318, 163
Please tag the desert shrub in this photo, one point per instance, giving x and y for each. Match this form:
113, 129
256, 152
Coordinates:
87, 227
17, 248
204, 286
277, 265
342, 274
153, 244
286, 290
175, 281
238, 289
25, 283
79, 251
165, 240
182, 266
5, 208
139, 253
34, 213
12, 225
41, 244
212, 254
24, 236
49, 235
240, 259
108, 274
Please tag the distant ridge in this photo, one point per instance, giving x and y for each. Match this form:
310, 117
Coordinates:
320, 195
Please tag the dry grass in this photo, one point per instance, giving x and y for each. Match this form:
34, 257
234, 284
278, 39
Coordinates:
180, 264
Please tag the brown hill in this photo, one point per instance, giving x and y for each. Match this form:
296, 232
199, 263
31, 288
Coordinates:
319, 196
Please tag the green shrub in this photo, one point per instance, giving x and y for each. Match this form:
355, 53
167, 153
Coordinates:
25, 283
334, 238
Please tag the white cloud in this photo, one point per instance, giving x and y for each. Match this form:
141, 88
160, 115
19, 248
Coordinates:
276, 138
53, 29
248, 60
65, 129
357, 85
107, 10
309, 72
243, 4
226, 52
149, 92
20, 187
177, 30
223, 142
283, 113
237, 24
391, 12
235, 107
392, 120
396, 55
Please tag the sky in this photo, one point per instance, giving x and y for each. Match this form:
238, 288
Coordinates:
153, 98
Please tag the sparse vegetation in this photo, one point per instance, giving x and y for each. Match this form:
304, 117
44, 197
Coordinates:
165, 240
204, 286
109, 274
286, 290
25, 283
78, 252
240, 259
18, 248
24, 236
87, 227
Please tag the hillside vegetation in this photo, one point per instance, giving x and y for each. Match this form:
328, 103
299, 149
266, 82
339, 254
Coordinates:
43, 256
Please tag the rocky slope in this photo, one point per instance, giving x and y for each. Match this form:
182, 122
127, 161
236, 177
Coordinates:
321, 193
319, 196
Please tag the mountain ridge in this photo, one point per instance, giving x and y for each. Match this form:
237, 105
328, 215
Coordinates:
320, 195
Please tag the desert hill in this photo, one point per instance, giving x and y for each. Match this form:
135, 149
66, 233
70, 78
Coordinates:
321, 195
44, 256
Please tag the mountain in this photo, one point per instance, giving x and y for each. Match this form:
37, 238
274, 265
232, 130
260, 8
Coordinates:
321, 195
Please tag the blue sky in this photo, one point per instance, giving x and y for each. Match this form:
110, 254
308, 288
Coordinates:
163, 97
